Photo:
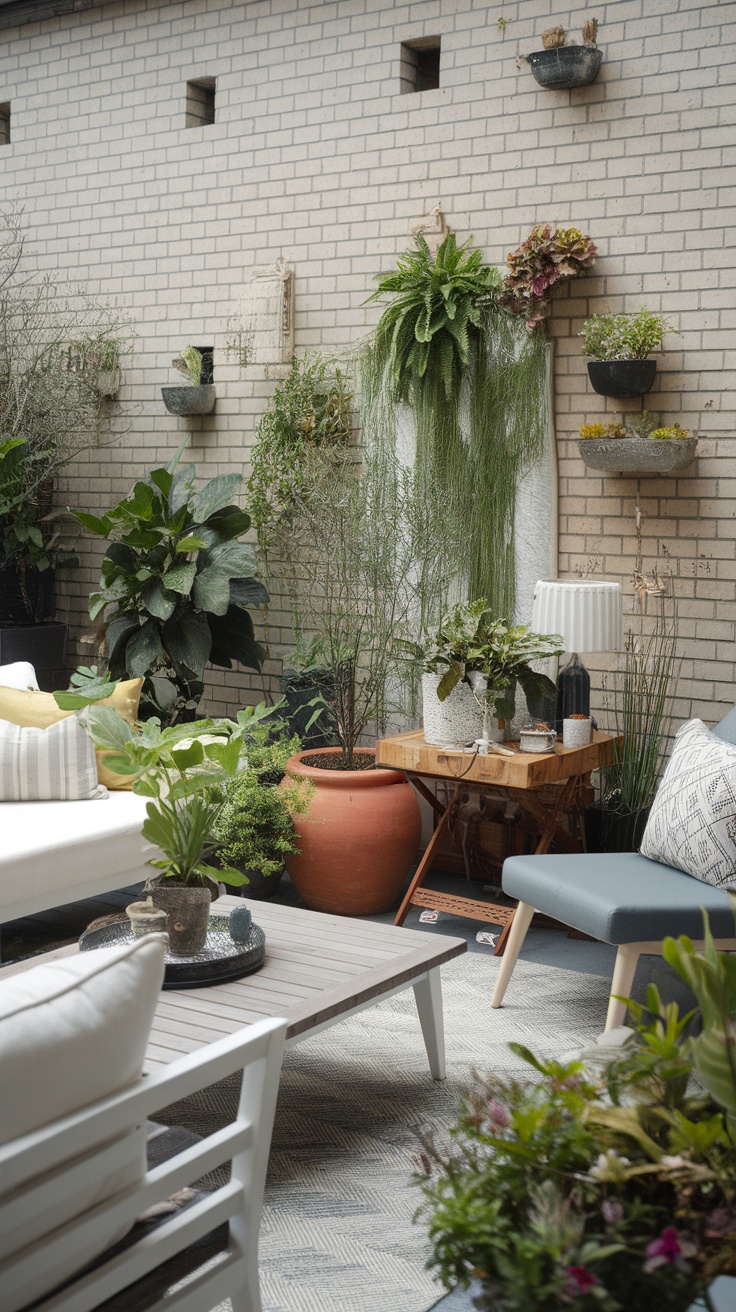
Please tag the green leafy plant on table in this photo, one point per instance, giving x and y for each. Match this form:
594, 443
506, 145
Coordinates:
471, 641
599, 1188
176, 586
535, 268
624, 336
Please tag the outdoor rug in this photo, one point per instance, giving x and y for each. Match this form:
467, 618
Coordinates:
337, 1232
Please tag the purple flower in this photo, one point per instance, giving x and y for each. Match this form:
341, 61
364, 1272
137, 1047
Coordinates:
670, 1249
579, 1281
613, 1211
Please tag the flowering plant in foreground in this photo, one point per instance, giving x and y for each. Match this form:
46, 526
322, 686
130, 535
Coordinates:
605, 1187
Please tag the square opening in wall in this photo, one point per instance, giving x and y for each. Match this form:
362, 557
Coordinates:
5, 124
208, 363
420, 64
200, 110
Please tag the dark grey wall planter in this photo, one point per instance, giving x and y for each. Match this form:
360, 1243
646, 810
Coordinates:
638, 455
567, 66
190, 400
622, 378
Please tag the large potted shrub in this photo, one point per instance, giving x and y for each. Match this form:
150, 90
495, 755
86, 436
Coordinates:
621, 346
604, 1183
470, 672
176, 586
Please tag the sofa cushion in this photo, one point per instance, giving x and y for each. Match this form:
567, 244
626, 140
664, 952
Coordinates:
71, 1032
692, 823
618, 897
38, 710
54, 764
20, 674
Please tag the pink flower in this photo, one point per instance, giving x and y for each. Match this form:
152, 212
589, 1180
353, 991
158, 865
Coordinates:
613, 1211
497, 1115
670, 1249
579, 1281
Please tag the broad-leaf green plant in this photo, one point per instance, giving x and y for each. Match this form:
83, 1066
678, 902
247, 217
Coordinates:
176, 585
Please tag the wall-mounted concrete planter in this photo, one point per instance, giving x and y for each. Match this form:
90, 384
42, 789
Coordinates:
622, 378
641, 456
565, 66
190, 400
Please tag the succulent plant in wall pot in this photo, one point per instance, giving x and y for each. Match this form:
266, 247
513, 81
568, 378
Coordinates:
639, 447
560, 67
620, 346
196, 397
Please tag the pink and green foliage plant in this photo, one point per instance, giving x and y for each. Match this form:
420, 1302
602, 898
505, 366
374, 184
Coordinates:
535, 268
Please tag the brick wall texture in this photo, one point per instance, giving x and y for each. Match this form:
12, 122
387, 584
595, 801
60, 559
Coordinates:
315, 155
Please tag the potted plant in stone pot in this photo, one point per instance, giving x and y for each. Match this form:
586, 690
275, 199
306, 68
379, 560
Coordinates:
470, 673
621, 346
559, 66
637, 446
181, 768
196, 397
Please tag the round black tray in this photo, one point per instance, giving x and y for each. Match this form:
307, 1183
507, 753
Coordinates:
221, 959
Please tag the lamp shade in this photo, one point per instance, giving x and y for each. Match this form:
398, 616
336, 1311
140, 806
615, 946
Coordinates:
587, 613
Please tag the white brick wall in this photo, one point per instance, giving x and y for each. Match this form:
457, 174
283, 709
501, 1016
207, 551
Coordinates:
317, 156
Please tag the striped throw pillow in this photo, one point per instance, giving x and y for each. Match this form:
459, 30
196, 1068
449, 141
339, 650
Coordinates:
54, 764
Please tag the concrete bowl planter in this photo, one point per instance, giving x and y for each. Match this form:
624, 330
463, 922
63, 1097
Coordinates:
622, 378
566, 66
187, 401
638, 455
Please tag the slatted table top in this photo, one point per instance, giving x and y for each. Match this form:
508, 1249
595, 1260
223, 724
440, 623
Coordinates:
317, 969
409, 751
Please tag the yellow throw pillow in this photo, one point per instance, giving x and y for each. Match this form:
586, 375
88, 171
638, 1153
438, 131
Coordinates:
38, 710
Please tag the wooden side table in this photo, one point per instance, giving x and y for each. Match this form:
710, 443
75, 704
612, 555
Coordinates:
519, 777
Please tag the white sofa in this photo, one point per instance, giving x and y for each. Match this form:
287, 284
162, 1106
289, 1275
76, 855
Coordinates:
52, 853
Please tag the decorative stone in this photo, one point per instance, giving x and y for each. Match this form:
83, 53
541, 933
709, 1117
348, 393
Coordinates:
638, 455
241, 922
198, 400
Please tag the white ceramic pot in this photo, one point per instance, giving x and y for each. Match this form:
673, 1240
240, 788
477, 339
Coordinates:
537, 740
456, 721
577, 733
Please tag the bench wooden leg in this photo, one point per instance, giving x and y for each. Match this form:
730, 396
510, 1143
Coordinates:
514, 943
627, 959
428, 995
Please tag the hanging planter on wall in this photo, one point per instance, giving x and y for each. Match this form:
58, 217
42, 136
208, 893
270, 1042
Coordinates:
638, 456
620, 346
196, 398
622, 379
559, 67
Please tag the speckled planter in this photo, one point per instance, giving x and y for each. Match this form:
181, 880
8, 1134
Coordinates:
190, 400
638, 455
566, 66
455, 721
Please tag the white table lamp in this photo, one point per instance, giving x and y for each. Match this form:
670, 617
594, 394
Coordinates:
588, 615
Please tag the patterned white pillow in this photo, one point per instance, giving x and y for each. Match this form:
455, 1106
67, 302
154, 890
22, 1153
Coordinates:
54, 764
692, 823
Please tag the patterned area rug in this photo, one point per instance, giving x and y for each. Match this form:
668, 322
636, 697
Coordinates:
337, 1231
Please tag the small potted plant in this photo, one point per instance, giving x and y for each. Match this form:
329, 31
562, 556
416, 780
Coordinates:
257, 828
182, 769
196, 398
637, 447
99, 357
559, 66
620, 346
474, 662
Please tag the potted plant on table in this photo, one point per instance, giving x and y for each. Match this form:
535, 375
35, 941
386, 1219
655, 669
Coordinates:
621, 346
196, 398
176, 585
605, 1182
559, 66
637, 446
471, 670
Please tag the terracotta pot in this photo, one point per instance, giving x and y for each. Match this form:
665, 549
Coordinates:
188, 910
358, 840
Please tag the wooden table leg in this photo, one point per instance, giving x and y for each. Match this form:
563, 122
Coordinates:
425, 862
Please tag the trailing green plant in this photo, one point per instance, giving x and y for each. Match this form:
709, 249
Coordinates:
606, 1187
309, 409
176, 586
182, 768
542, 261
476, 387
624, 336
190, 363
472, 641
256, 824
